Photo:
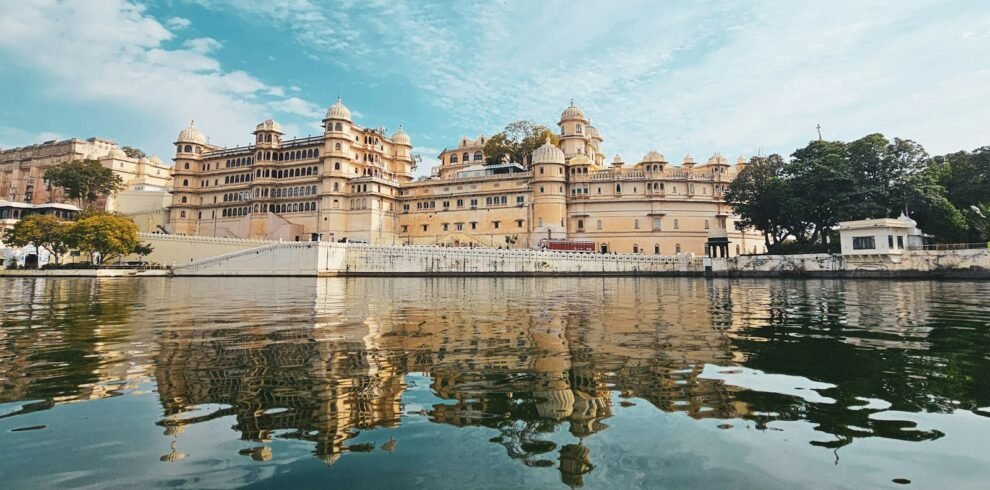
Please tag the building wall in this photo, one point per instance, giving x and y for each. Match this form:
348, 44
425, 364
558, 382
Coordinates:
355, 183
22, 169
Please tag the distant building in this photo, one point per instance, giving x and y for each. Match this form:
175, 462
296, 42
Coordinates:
11, 213
356, 183
885, 236
22, 170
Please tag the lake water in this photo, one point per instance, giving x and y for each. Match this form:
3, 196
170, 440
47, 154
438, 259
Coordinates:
494, 383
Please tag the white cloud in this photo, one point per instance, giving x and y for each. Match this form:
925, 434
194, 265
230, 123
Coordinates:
12, 137
178, 23
698, 78
113, 52
202, 45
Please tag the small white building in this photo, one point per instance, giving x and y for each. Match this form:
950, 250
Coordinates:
885, 236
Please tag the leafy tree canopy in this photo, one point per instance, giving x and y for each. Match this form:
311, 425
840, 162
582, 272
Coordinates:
133, 152
109, 235
517, 141
42, 231
84, 181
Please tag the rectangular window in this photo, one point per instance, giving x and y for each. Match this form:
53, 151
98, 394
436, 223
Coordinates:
445, 225
474, 203
426, 227
474, 225
900, 242
890, 241
495, 224
459, 226
864, 243
520, 199
656, 224
405, 228
519, 223
460, 203
505, 200
446, 204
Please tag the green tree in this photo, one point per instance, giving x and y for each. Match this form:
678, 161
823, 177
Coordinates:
882, 171
111, 236
84, 181
764, 201
133, 152
978, 216
821, 177
42, 231
517, 141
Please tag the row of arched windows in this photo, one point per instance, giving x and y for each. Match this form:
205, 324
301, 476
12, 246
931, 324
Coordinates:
239, 211
233, 197
654, 168
287, 173
308, 190
294, 207
189, 149
238, 162
237, 179
466, 157
289, 156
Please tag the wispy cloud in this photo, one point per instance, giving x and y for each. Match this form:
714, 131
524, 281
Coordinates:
700, 77
113, 52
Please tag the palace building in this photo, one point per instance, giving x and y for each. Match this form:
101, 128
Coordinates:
22, 172
357, 184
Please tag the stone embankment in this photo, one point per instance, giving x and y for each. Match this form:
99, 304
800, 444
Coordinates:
921, 264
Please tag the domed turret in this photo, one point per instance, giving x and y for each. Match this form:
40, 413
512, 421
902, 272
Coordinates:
688, 160
617, 161
269, 125
191, 135
400, 137
718, 159
144, 160
572, 112
548, 153
339, 111
117, 153
654, 157
155, 160
741, 160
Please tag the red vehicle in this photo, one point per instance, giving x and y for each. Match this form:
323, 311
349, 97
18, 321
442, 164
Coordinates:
568, 245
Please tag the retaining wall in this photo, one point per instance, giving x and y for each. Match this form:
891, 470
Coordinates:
911, 264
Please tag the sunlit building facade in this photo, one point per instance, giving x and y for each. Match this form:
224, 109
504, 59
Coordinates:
357, 183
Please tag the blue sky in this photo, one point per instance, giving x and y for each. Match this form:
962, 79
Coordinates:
679, 77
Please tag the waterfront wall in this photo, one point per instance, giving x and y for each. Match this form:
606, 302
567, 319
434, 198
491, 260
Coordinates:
175, 250
919, 263
334, 259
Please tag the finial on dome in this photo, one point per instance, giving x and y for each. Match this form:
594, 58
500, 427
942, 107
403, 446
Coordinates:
548, 140
192, 122
572, 101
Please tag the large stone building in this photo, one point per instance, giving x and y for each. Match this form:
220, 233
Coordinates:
22, 172
357, 183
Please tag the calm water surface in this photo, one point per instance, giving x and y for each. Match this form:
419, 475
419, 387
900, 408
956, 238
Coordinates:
493, 383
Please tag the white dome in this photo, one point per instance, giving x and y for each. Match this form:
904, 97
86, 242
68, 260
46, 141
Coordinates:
548, 153
339, 111
654, 156
688, 159
155, 160
117, 153
400, 137
718, 159
191, 135
741, 160
572, 112
617, 160
269, 125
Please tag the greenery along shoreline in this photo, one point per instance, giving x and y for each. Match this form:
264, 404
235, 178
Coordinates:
96, 233
797, 204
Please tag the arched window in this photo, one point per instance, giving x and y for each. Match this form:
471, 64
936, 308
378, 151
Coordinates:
677, 225
578, 129
635, 224
336, 166
706, 224
477, 156
338, 127
465, 157
186, 166
635, 248
185, 182
618, 188
598, 224
336, 186
316, 152
182, 214
183, 199
580, 224
656, 248
188, 148
677, 248
453, 158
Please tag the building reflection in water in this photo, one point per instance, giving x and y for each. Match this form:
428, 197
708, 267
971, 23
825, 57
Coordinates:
322, 360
